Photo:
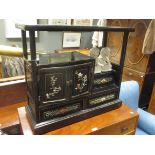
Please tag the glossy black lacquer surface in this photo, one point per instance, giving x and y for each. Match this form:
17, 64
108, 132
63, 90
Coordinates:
68, 57
62, 88
46, 27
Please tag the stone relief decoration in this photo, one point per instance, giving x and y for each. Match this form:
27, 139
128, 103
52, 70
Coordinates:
102, 61
81, 81
95, 52
54, 88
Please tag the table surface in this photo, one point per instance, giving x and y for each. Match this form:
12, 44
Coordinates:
87, 126
9, 114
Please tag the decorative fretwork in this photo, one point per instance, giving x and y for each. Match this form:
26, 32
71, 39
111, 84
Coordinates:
102, 99
61, 111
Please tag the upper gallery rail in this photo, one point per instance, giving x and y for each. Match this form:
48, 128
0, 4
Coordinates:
41, 27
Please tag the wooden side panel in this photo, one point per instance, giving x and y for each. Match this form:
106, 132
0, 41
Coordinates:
151, 107
9, 114
130, 74
121, 128
115, 39
146, 90
134, 57
12, 92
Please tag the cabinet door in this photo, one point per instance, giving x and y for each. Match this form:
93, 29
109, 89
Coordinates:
82, 79
53, 82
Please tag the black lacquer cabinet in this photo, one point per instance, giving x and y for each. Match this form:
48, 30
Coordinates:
62, 88
65, 79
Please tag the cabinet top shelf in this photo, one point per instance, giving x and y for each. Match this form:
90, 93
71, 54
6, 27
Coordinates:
58, 58
41, 27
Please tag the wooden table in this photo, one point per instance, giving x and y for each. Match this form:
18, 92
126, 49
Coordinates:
12, 96
9, 114
121, 121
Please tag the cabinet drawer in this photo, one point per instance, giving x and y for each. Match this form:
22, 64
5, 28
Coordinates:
129, 74
103, 97
122, 128
50, 112
103, 79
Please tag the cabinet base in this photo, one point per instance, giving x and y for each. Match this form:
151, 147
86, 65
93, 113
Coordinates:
46, 126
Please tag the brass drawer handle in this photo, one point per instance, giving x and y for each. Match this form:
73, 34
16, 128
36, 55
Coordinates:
124, 129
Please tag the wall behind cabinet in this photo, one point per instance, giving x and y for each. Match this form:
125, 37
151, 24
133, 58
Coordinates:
45, 40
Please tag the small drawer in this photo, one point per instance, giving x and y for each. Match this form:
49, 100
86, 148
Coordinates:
103, 79
122, 128
49, 112
101, 98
